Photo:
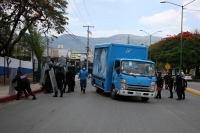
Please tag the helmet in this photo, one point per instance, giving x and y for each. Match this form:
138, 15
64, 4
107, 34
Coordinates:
50, 64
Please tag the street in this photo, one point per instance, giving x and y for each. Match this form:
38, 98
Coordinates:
97, 113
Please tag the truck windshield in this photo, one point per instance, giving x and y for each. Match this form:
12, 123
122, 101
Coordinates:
138, 68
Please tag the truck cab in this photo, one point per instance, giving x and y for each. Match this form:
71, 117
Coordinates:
133, 77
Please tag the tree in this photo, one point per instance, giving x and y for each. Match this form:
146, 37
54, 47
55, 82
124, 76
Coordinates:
168, 50
16, 16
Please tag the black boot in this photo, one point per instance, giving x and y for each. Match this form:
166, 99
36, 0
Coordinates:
84, 91
61, 94
56, 94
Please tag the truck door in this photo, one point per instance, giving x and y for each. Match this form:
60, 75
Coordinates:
116, 77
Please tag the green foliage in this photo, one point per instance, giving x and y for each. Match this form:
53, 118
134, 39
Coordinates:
168, 51
17, 16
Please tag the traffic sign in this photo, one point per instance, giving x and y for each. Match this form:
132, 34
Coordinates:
167, 66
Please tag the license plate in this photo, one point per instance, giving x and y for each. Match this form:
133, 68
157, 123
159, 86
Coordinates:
138, 93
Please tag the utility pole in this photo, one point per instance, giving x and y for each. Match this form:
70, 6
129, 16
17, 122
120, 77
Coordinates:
128, 40
87, 48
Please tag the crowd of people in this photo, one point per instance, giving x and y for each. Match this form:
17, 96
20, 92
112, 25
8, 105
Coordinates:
65, 80
179, 84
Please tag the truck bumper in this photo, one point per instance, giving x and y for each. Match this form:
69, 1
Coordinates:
136, 93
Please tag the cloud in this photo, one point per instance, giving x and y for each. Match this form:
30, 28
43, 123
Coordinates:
162, 18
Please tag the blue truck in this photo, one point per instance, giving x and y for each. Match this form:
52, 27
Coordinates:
123, 69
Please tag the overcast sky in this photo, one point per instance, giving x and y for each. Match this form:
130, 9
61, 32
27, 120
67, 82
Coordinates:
111, 17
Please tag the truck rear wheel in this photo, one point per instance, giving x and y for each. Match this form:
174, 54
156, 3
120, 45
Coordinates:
113, 93
97, 89
145, 99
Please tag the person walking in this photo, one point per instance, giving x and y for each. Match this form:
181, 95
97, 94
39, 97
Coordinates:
23, 82
83, 74
179, 86
59, 80
68, 80
159, 83
170, 83
48, 85
184, 86
73, 78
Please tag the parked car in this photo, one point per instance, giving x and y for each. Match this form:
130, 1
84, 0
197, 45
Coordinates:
188, 77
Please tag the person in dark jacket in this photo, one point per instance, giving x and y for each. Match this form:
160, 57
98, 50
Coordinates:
170, 83
23, 83
68, 80
159, 83
73, 78
179, 86
60, 80
48, 85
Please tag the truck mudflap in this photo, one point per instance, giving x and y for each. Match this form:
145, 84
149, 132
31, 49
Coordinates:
135, 93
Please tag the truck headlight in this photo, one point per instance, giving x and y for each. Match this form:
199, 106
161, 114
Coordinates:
152, 87
123, 84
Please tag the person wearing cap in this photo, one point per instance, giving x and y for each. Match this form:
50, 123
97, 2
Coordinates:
170, 83
23, 83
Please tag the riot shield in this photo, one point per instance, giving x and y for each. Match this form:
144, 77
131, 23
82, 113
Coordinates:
53, 80
42, 76
13, 73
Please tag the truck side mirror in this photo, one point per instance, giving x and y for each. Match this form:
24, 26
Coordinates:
118, 70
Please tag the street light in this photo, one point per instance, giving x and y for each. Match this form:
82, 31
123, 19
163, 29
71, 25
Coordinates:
180, 67
150, 38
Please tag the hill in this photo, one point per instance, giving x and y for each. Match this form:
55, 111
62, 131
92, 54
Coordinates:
79, 43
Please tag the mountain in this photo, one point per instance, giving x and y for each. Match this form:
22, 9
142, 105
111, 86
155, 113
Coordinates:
79, 43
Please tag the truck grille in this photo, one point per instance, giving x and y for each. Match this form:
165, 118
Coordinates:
138, 88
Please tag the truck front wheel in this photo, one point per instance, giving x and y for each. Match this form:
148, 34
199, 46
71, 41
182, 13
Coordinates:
113, 93
145, 99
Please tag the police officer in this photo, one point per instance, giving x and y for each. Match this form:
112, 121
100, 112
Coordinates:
68, 79
73, 78
23, 83
159, 83
48, 85
170, 83
179, 86
60, 80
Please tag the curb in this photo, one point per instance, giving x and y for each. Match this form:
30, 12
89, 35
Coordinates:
193, 91
13, 97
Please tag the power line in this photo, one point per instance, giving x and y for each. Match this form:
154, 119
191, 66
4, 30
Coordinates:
75, 12
79, 11
89, 16
171, 21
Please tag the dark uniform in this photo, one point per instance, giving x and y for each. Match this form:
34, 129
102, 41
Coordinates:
48, 85
60, 80
23, 83
170, 84
159, 83
73, 78
179, 86
69, 79
166, 77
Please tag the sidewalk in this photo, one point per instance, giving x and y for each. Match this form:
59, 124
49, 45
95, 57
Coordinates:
6, 97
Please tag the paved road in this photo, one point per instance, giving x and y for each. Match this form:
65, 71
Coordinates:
98, 113
193, 85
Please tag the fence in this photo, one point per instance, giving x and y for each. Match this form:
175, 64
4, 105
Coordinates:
31, 69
